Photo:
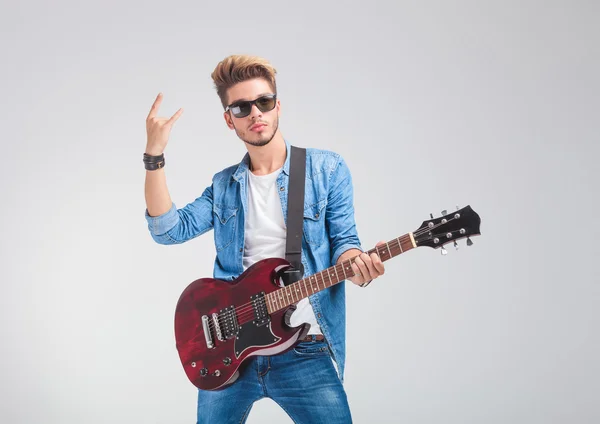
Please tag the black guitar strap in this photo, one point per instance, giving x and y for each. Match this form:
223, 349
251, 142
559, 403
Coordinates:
295, 216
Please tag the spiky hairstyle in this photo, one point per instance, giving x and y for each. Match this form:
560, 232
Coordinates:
237, 68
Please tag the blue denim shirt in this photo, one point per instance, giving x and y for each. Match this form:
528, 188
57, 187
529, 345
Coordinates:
329, 229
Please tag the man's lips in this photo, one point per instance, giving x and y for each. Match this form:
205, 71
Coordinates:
257, 127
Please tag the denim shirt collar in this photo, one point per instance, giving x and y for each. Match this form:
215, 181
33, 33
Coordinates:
244, 165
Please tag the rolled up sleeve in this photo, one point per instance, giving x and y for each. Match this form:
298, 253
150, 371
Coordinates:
160, 224
180, 225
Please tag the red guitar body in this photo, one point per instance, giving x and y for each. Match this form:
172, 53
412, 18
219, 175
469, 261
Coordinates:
213, 340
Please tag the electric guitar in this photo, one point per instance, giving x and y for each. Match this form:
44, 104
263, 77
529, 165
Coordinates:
218, 324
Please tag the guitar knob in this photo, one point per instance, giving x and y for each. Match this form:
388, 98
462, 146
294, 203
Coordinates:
217, 373
203, 372
227, 361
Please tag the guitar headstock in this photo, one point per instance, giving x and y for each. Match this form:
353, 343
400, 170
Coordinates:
450, 227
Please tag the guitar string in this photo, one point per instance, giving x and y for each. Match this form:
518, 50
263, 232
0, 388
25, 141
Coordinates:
248, 307
246, 311
406, 236
243, 310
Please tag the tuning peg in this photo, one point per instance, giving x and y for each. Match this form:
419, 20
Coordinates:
444, 251
455, 244
444, 212
431, 215
469, 242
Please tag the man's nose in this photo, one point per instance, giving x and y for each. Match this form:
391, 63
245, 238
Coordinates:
255, 112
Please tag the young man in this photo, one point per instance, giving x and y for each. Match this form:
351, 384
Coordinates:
246, 206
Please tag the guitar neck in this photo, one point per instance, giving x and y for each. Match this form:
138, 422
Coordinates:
303, 288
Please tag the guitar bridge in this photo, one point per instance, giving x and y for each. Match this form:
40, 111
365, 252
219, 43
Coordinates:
207, 334
215, 318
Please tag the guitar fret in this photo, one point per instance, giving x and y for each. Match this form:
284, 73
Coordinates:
323, 278
329, 276
400, 244
388, 249
305, 288
349, 268
336, 274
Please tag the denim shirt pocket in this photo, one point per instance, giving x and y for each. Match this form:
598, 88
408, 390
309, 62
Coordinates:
314, 222
224, 225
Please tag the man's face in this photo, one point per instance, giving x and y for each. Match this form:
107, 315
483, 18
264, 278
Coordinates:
259, 127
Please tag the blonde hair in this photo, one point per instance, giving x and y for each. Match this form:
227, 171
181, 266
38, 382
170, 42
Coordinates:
237, 68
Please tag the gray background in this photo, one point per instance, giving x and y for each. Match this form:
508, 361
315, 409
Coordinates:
433, 104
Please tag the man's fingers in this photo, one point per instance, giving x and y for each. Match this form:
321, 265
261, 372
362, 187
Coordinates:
175, 117
364, 272
356, 270
377, 260
155, 106
365, 265
377, 264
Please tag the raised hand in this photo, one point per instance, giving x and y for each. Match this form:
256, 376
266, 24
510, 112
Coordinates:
158, 129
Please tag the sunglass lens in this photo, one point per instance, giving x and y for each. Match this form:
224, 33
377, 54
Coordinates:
241, 109
265, 104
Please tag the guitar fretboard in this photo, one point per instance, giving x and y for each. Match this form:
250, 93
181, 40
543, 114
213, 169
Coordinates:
297, 291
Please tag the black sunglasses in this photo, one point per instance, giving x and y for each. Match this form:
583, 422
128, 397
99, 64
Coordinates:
242, 108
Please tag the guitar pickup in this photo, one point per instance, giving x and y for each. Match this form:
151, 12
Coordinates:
229, 322
259, 305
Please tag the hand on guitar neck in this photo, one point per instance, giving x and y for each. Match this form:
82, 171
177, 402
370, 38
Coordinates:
366, 267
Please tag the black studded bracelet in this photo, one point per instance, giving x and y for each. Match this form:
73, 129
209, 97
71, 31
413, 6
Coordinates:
152, 163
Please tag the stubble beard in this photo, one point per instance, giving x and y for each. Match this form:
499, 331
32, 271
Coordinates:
259, 142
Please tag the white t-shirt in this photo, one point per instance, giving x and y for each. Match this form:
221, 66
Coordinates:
265, 234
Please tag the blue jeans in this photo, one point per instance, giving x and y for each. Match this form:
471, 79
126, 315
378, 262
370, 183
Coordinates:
303, 381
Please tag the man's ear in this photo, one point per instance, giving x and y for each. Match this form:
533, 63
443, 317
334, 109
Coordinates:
228, 120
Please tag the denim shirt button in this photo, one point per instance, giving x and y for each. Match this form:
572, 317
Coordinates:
319, 315
241, 249
281, 188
